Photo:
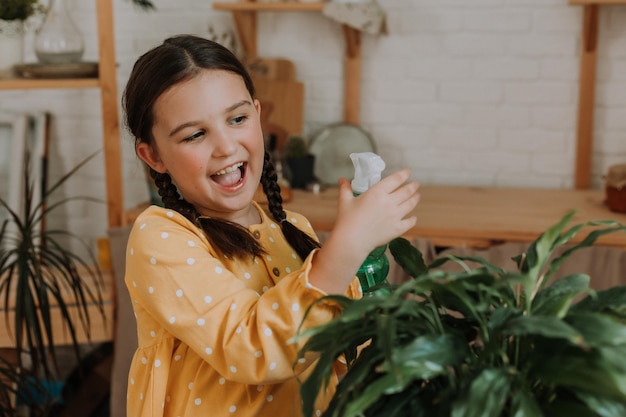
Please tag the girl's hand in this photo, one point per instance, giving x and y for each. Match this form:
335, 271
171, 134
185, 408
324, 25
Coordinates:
378, 215
363, 222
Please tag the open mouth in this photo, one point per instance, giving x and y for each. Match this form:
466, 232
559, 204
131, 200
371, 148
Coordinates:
230, 176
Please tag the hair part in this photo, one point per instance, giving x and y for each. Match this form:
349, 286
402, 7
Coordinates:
177, 59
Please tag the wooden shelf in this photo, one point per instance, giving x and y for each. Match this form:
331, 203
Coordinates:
607, 2
44, 83
245, 17
249, 6
107, 83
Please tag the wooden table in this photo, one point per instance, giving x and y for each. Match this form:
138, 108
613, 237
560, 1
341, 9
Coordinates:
480, 217
587, 87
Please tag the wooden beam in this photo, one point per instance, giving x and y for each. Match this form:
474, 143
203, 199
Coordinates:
586, 97
110, 122
246, 24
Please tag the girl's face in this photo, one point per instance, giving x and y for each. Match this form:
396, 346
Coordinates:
208, 138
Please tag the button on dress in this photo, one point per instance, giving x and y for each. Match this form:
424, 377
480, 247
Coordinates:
214, 333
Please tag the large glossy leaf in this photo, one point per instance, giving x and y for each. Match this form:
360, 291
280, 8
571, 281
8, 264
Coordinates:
524, 404
612, 299
429, 355
602, 406
408, 257
598, 329
584, 370
546, 326
486, 396
556, 299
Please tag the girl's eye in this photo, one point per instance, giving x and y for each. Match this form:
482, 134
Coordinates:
237, 120
194, 136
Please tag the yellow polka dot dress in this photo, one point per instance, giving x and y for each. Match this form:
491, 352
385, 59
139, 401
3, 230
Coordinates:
214, 332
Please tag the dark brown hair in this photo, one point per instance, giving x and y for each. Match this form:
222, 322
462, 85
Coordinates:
177, 59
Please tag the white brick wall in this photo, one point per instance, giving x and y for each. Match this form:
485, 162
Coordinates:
476, 92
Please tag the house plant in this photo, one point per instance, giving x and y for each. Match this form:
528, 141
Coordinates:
300, 162
39, 276
481, 342
13, 13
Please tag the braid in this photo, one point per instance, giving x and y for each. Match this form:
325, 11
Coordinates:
300, 241
229, 238
170, 197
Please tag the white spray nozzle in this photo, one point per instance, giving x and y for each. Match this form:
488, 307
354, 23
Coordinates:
368, 168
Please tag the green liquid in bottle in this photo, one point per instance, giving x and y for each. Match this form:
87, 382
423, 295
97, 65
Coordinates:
373, 271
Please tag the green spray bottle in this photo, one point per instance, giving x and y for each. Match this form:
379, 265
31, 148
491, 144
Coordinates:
368, 168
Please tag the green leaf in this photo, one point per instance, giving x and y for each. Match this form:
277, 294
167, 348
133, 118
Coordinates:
584, 370
556, 299
603, 406
461, 260
598, 329
408, 257
524, 404
546, 326
429, 355
486, 396
612, 299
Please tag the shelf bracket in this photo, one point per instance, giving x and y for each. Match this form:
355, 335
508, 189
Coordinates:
246, 24
352, 75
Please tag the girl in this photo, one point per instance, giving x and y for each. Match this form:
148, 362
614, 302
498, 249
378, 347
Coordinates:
219, 287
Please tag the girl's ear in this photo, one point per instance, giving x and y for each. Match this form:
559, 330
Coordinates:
151, 157
257, 106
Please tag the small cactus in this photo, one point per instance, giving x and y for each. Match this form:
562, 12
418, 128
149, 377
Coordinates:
296, 147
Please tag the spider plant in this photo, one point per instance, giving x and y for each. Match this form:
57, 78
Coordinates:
482, 342
39, 276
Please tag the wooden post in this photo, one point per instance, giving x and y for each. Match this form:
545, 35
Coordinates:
586, 96
352, 75
246, 25
110, 123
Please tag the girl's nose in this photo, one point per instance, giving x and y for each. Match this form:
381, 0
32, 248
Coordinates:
224, 144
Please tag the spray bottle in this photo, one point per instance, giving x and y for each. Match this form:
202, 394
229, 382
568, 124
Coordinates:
368, 168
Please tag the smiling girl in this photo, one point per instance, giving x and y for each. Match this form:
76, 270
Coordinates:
219, 286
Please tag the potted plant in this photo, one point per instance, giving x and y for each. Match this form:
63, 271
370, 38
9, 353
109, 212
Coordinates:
18, 9
38, 277
481, 342
299, 161
13, 13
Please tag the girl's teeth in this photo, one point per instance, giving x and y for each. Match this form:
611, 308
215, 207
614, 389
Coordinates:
229, 169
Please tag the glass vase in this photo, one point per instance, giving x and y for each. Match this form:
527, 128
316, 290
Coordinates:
58, 40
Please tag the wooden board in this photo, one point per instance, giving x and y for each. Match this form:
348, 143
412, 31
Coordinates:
287, 98
280, 69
